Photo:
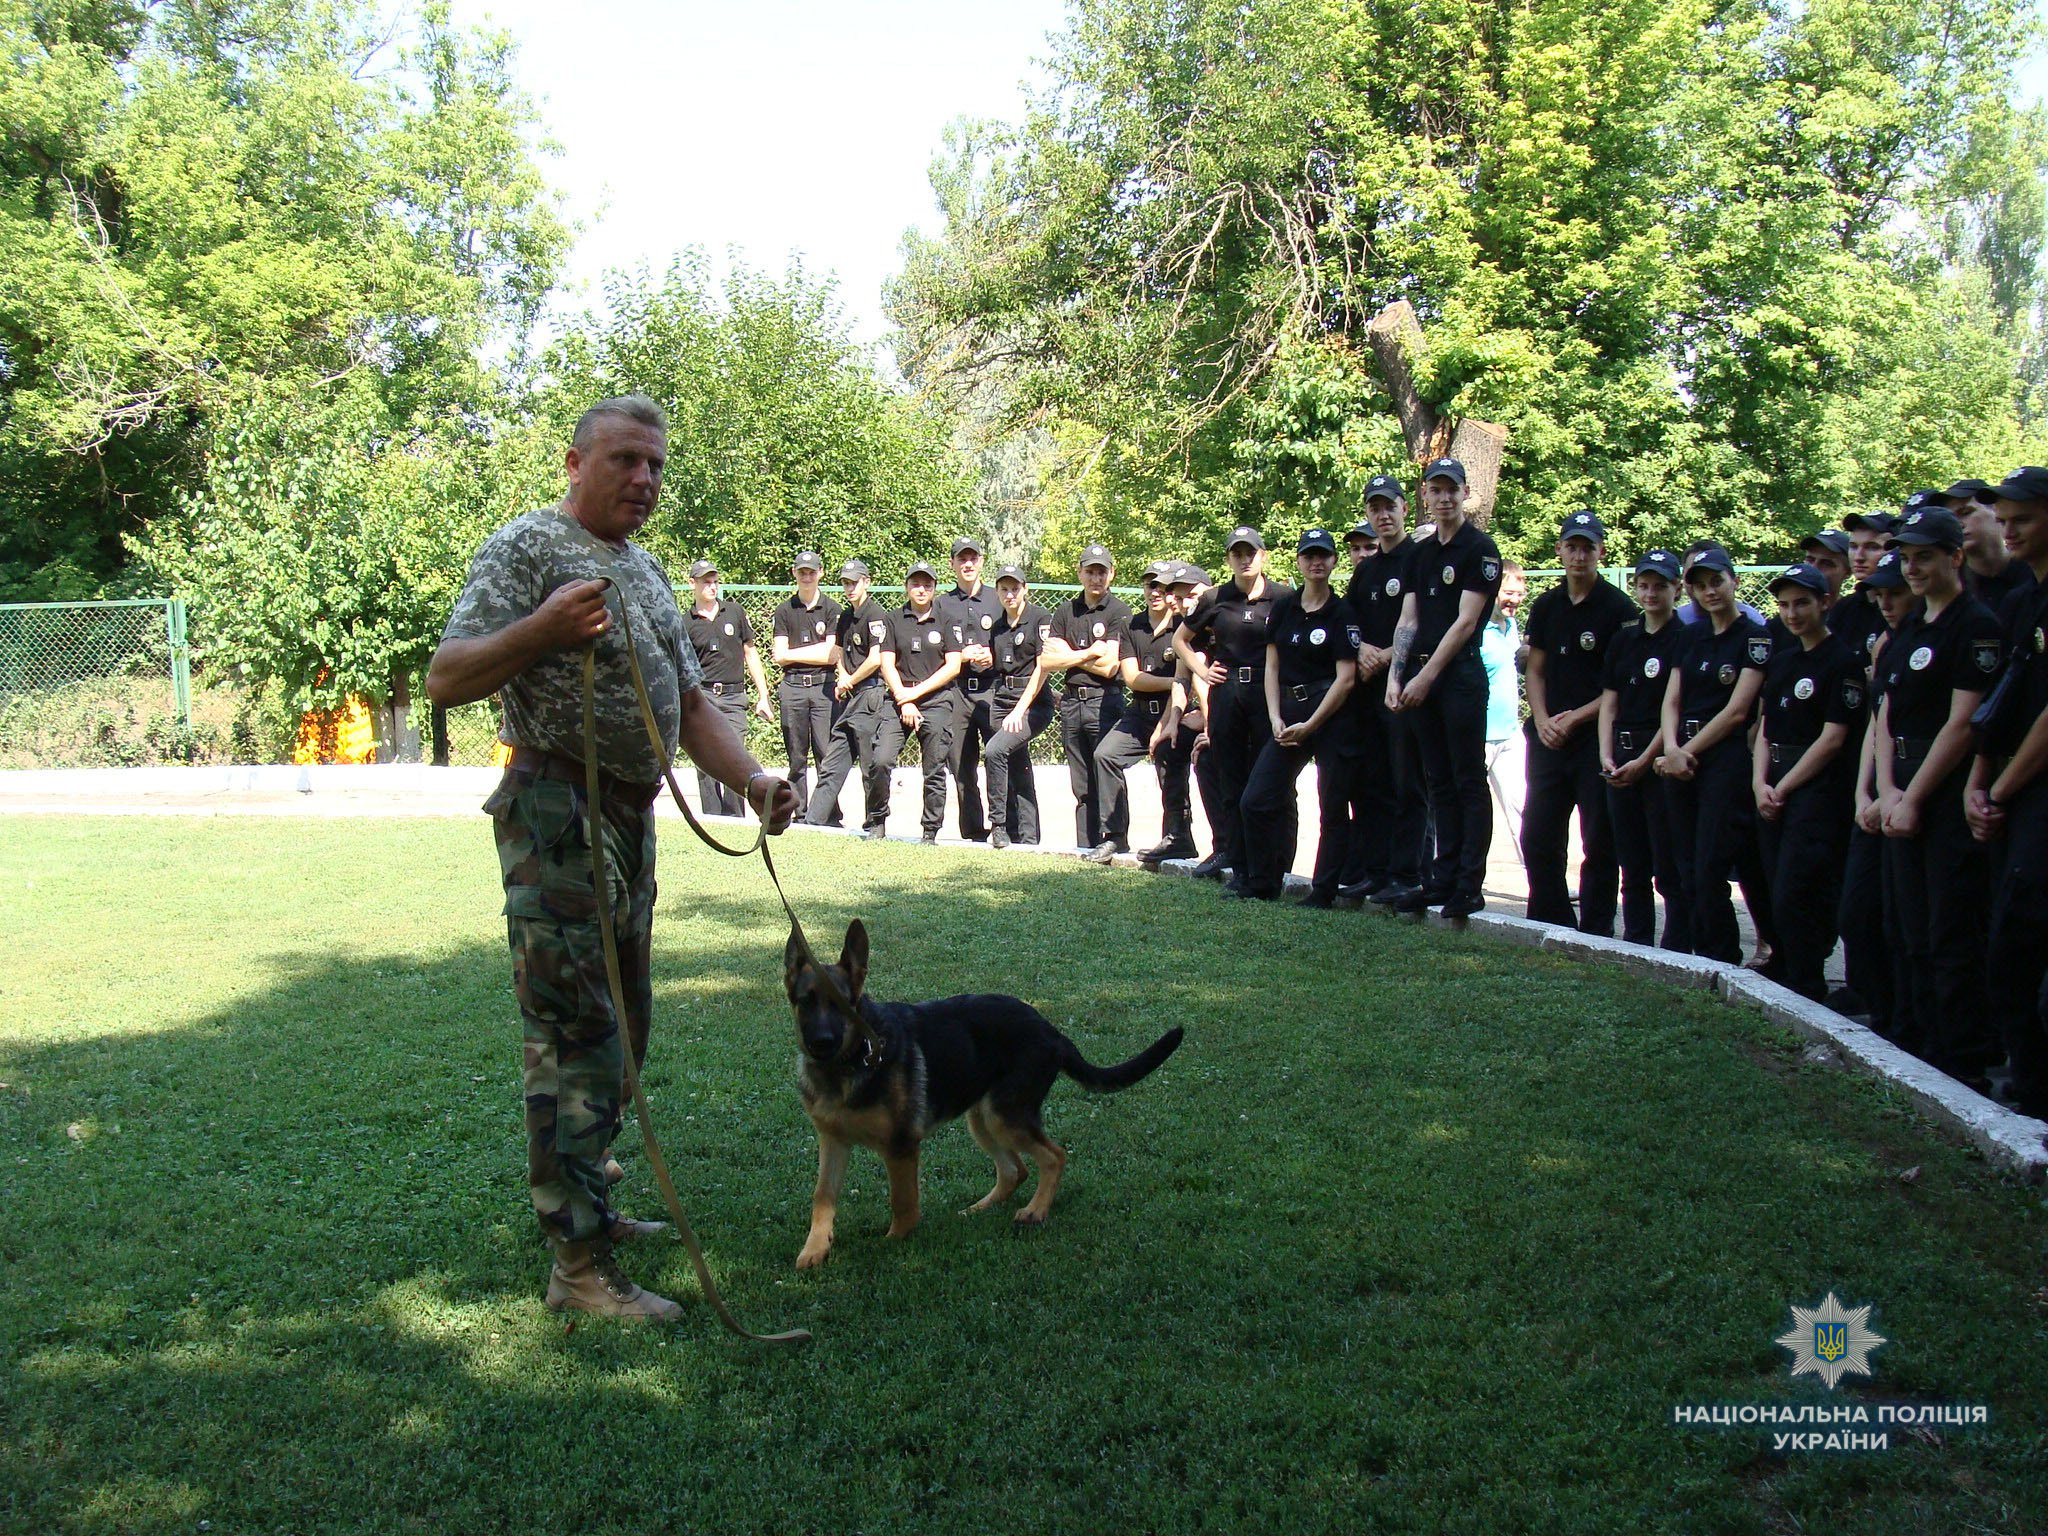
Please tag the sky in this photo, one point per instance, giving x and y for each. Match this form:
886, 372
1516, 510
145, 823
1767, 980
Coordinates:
763, 128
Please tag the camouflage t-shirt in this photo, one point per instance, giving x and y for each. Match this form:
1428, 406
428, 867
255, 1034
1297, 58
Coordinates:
511, 577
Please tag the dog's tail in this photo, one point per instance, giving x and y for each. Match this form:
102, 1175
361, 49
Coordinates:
1124, 1073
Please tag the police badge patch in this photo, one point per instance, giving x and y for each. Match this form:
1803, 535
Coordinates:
1394, 588
728, 629
1099, 630
1044, 633
1759, 649
933, 636
1351, 633
1727, 672
1653, 666
821, 629
1318, 636
1919, 659
988, 621
1986, 653
1450, 574
877, 629
1586, 641
1803, 689
1852, 696
1489, 570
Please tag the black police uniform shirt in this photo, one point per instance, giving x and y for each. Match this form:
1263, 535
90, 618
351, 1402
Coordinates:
2027, 643
1232, 629
1926, 663
1574, 638
1308, 647
1154, 656
1081, 626
1993, 591
1807, 691
802, 626
973, 618
919, 643
1378, 583
1857, 620
1441, 573
1637, 667
861, 632
1710, 666
1016, 648
718, 640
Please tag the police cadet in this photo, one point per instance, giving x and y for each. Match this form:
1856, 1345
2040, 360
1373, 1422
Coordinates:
971, 607
1224, 643
1855, 617
1866, 964
2009, 804
1182, 732
1990, 574
1705, 762
861, 710
1021, 707
1931, 676
920, 660
724, 642
1146, 663
1827, 551
1805, 755
1634, 674
1311, 668
1388, 810
802, 629
1436, 676
1087, 643
1570, 629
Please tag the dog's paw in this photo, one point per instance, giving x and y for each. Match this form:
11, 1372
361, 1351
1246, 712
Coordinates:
1028, 1218
813, 1255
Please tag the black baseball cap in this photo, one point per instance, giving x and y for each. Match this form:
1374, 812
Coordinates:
1243, 535
1800, 575
1098, 554
1712, 557
854, 570
921, 568
1012, 573
1930, 525
1385, 485
1316, 538
1445, 469
1870, 522
1188, 574
1158, 570
1361, 530
1659, 562
1890, 572
703, 568
1923, 498
1966, 491
1831, 539
807, 560
1582, 525
2027, 483
962, 545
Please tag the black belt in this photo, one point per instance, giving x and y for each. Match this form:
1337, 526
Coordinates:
1085, 690
1784, 753
557, 765
1302, 690
1913, 748
1627, 741
866, 683
720, 690
1687, 729
977, 684
805, 679
1246, 675
1151, 704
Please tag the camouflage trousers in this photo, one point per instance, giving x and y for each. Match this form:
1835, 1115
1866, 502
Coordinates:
574, 1073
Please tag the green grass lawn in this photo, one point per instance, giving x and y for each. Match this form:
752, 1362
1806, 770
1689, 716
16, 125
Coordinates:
1417, 1232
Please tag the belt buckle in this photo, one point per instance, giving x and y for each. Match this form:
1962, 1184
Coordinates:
1244, 674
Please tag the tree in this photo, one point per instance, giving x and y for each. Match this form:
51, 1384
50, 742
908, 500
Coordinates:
206, 204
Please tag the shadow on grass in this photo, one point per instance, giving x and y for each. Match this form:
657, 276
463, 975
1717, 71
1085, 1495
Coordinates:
1414, 1233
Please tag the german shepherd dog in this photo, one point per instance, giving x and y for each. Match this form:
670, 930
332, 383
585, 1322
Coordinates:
886, 1079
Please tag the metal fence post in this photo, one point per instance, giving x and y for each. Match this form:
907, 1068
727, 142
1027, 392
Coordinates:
181, 659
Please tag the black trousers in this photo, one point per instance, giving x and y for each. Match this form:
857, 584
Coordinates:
1450, 734
806, 711
1805, 850
1937, 887
1270, 813
1238, 732
1389, 811
2018, 948
1646, 848
1084, 721
971, 731
1713, 814
1562, 780
858, 722
1859, 918
713, 796
1120, 750
1176, 786
937, 721
1012, 789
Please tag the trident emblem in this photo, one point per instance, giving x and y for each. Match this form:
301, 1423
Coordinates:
1831, 1340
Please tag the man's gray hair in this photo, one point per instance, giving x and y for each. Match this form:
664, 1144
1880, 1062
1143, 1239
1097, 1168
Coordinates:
633, 407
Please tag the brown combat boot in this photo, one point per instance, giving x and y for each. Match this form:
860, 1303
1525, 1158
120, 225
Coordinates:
586, 1279
624, 1229
613, 1173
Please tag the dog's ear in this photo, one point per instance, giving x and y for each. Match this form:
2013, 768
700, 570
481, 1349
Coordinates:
853, 959
792, 960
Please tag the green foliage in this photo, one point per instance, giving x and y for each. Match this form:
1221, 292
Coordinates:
1728, 265
209, 203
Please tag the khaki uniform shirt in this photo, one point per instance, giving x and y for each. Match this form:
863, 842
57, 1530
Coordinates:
512, 575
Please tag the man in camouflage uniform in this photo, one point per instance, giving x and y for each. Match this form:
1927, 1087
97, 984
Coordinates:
536, 597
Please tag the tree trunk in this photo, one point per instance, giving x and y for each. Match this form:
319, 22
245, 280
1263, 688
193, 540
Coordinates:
1395, 336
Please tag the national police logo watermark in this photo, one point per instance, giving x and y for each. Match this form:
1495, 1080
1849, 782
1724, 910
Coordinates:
1830, 1342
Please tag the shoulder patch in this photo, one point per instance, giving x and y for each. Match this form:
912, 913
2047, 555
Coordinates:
1986, 654
1759, 649
1489, 569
